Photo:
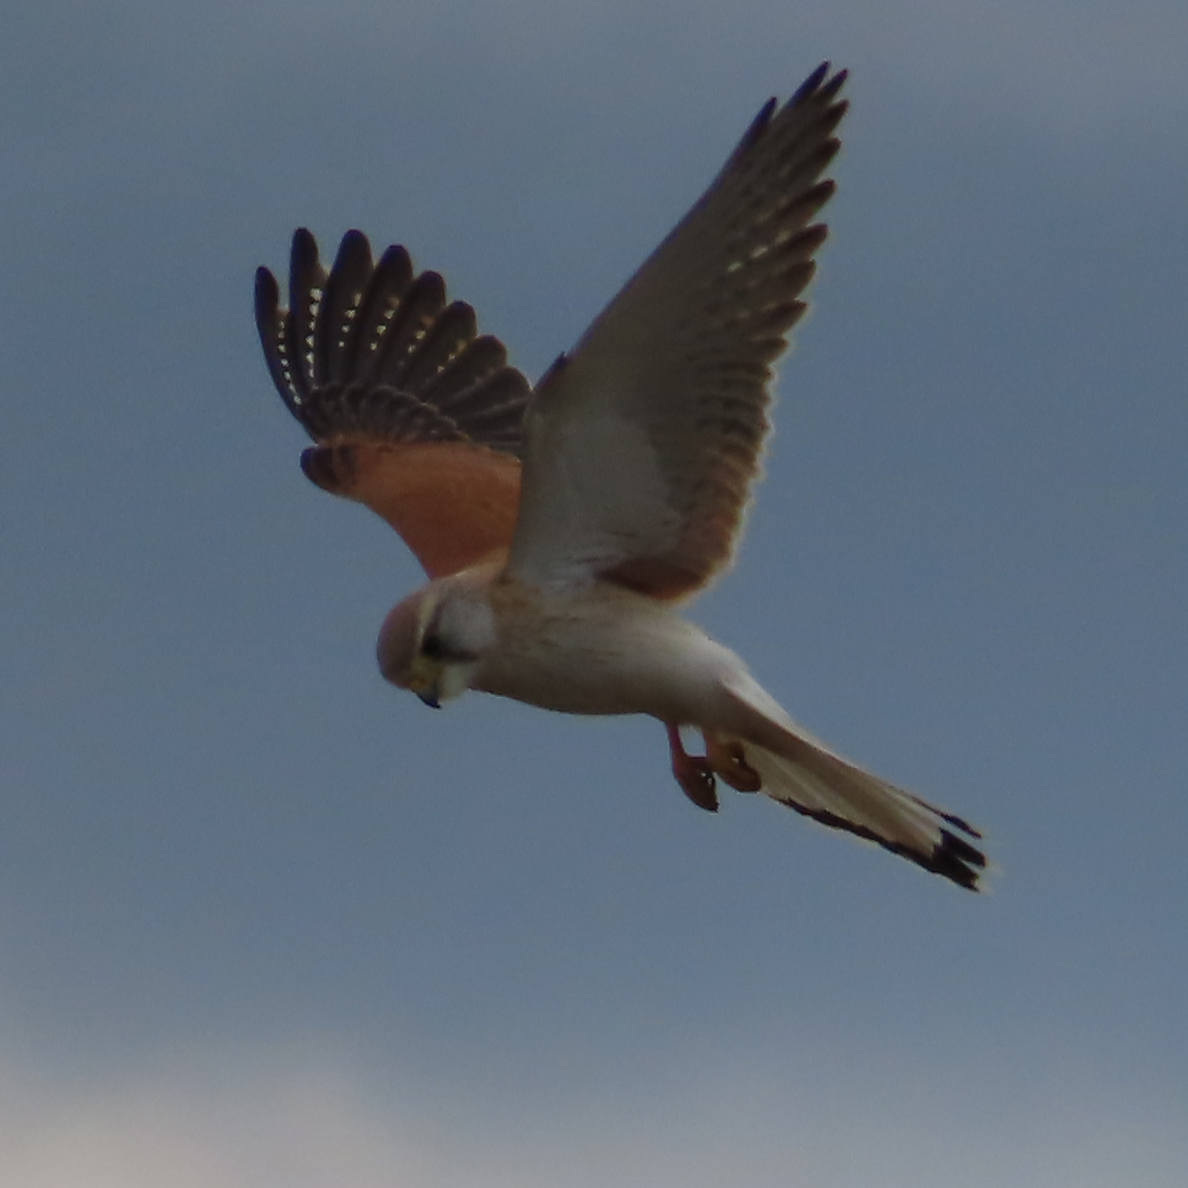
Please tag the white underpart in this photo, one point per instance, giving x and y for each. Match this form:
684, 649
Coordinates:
595, 649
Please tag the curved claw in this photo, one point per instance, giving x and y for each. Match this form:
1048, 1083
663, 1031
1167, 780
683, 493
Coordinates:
694, 774
727, 758
696, 779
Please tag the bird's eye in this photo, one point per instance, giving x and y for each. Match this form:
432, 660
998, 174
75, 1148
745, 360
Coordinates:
432, 647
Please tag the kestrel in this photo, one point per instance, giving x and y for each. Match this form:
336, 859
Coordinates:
563, 526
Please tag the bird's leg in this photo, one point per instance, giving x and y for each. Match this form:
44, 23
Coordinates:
692, 772
727, 758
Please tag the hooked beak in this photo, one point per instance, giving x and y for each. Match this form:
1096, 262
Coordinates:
425, 681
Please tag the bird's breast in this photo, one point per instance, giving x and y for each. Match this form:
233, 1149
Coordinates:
600, 649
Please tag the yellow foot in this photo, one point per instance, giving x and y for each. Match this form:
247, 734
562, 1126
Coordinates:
693, 773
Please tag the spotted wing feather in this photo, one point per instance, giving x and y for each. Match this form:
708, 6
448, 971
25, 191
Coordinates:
385, 373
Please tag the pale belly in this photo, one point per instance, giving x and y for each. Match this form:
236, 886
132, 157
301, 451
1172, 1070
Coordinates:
609, 655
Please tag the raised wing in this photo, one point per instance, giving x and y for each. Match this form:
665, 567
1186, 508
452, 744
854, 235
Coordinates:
412, 412
643, 443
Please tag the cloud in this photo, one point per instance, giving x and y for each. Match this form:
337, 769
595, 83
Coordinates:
300, 1120
186, 1125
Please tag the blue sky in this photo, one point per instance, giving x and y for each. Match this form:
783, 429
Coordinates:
266, 921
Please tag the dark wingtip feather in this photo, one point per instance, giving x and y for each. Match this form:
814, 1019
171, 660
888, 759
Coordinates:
306, 277
821, 92
267, 301
757, 126
395, 259
345, 287
266, 283
352, 243
810, 84
374, 350
835, 84
270, 324
303, 251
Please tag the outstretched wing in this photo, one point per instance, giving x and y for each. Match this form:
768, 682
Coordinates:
643, 443
412, 412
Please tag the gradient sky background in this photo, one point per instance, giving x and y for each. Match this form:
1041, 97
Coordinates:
265, 921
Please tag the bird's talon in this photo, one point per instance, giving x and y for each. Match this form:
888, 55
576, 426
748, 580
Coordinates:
729, 760
694, 774
696, 778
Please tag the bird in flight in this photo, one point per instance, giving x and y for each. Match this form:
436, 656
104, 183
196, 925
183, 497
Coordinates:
563, 526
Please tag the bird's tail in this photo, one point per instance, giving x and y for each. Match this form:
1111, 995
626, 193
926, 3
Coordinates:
799, 771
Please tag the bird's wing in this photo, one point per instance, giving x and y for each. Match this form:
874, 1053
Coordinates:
412, 412
642, 444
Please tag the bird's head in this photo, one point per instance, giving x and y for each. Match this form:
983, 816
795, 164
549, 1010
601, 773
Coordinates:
434, 641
